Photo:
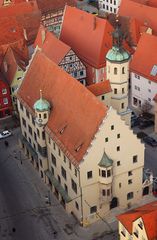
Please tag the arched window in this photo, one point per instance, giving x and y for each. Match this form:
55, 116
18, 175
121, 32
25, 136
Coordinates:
123, 72
115, 70
130, 195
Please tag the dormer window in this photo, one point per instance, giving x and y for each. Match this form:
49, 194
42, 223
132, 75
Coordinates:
78, 147
62, 129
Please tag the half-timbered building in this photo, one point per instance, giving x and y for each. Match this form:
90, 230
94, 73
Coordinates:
61, 54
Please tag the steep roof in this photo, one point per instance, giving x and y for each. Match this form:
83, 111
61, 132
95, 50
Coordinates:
75, 112
52, 47
148, 213
26, 14
146, 14
11, 60
52, 5
90, 37
100, 88
145, 57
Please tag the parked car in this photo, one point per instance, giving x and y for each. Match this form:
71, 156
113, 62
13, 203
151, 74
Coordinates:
150, 141
143, 123
141, 135
5, 134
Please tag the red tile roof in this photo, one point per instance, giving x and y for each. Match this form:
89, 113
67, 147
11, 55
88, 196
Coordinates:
100, 88
148, 213
90, 37
52, 47
13, 60
145, 56
26, 14
53, 5
73, 106
143, 13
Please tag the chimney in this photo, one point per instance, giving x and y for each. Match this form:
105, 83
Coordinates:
94, 23
43, 35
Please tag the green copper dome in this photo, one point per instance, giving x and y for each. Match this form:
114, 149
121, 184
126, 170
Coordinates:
117, 54
41, 104
105, 161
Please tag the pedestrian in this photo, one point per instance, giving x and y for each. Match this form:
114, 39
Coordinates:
6, 143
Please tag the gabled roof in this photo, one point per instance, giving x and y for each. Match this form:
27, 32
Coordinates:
76, 114
90, 37
100, 88
145, 57
53, 5
26, 14
11, 62
146, 14
148, 213
52, 47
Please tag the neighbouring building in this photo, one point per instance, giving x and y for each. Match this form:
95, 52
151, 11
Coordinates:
91, 42
155, 112
5, 99
26, 14
52, 13
139, 223
102, 91
13, 67
78, 145
143, 72
117, 72
61, 54
109, 6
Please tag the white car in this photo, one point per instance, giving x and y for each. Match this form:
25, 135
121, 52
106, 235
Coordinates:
5, 134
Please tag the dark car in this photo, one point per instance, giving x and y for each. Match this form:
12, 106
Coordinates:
143, 123
150, 141
141, 135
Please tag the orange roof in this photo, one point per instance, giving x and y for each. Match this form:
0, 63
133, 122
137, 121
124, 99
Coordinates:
13, 60
52, 47
26, 14
74, 108
148, 213
90, 37
145, 56
100, 88
53, 5
146, 14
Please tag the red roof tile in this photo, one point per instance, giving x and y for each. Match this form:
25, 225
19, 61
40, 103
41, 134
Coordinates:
143, 13
53, 5
90, 37
145, 56
148, 213
26, 14
73, 106
100, 88
52, 47
13, 60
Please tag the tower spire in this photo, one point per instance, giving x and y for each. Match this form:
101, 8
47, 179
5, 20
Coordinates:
117, 35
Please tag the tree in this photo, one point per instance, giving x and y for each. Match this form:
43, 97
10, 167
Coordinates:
146, 107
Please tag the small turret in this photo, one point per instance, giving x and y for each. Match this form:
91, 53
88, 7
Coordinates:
42, 110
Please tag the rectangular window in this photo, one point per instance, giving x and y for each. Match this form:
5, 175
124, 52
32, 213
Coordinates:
53, 159
108, 192
120, 185
103, 192
89, 174
130, 173
74, 185
115, 90
63, 173
45, 115
75, 172
112, 127
38, 133
24, 122
27, 113
59, 179
4, 91
54, 146
43, 135
33, 121
118, 148
103, 173
21, 106
93, 209
130, 195
108, 173
118, 163
134, 158
102, 97
5, 101
106, 139
123, 91
118, 135
30, 129
59, 152
64, 158
122, 105
52, 170
130, 181
35, 136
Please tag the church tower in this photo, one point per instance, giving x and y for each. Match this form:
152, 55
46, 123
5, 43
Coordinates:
117, 72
